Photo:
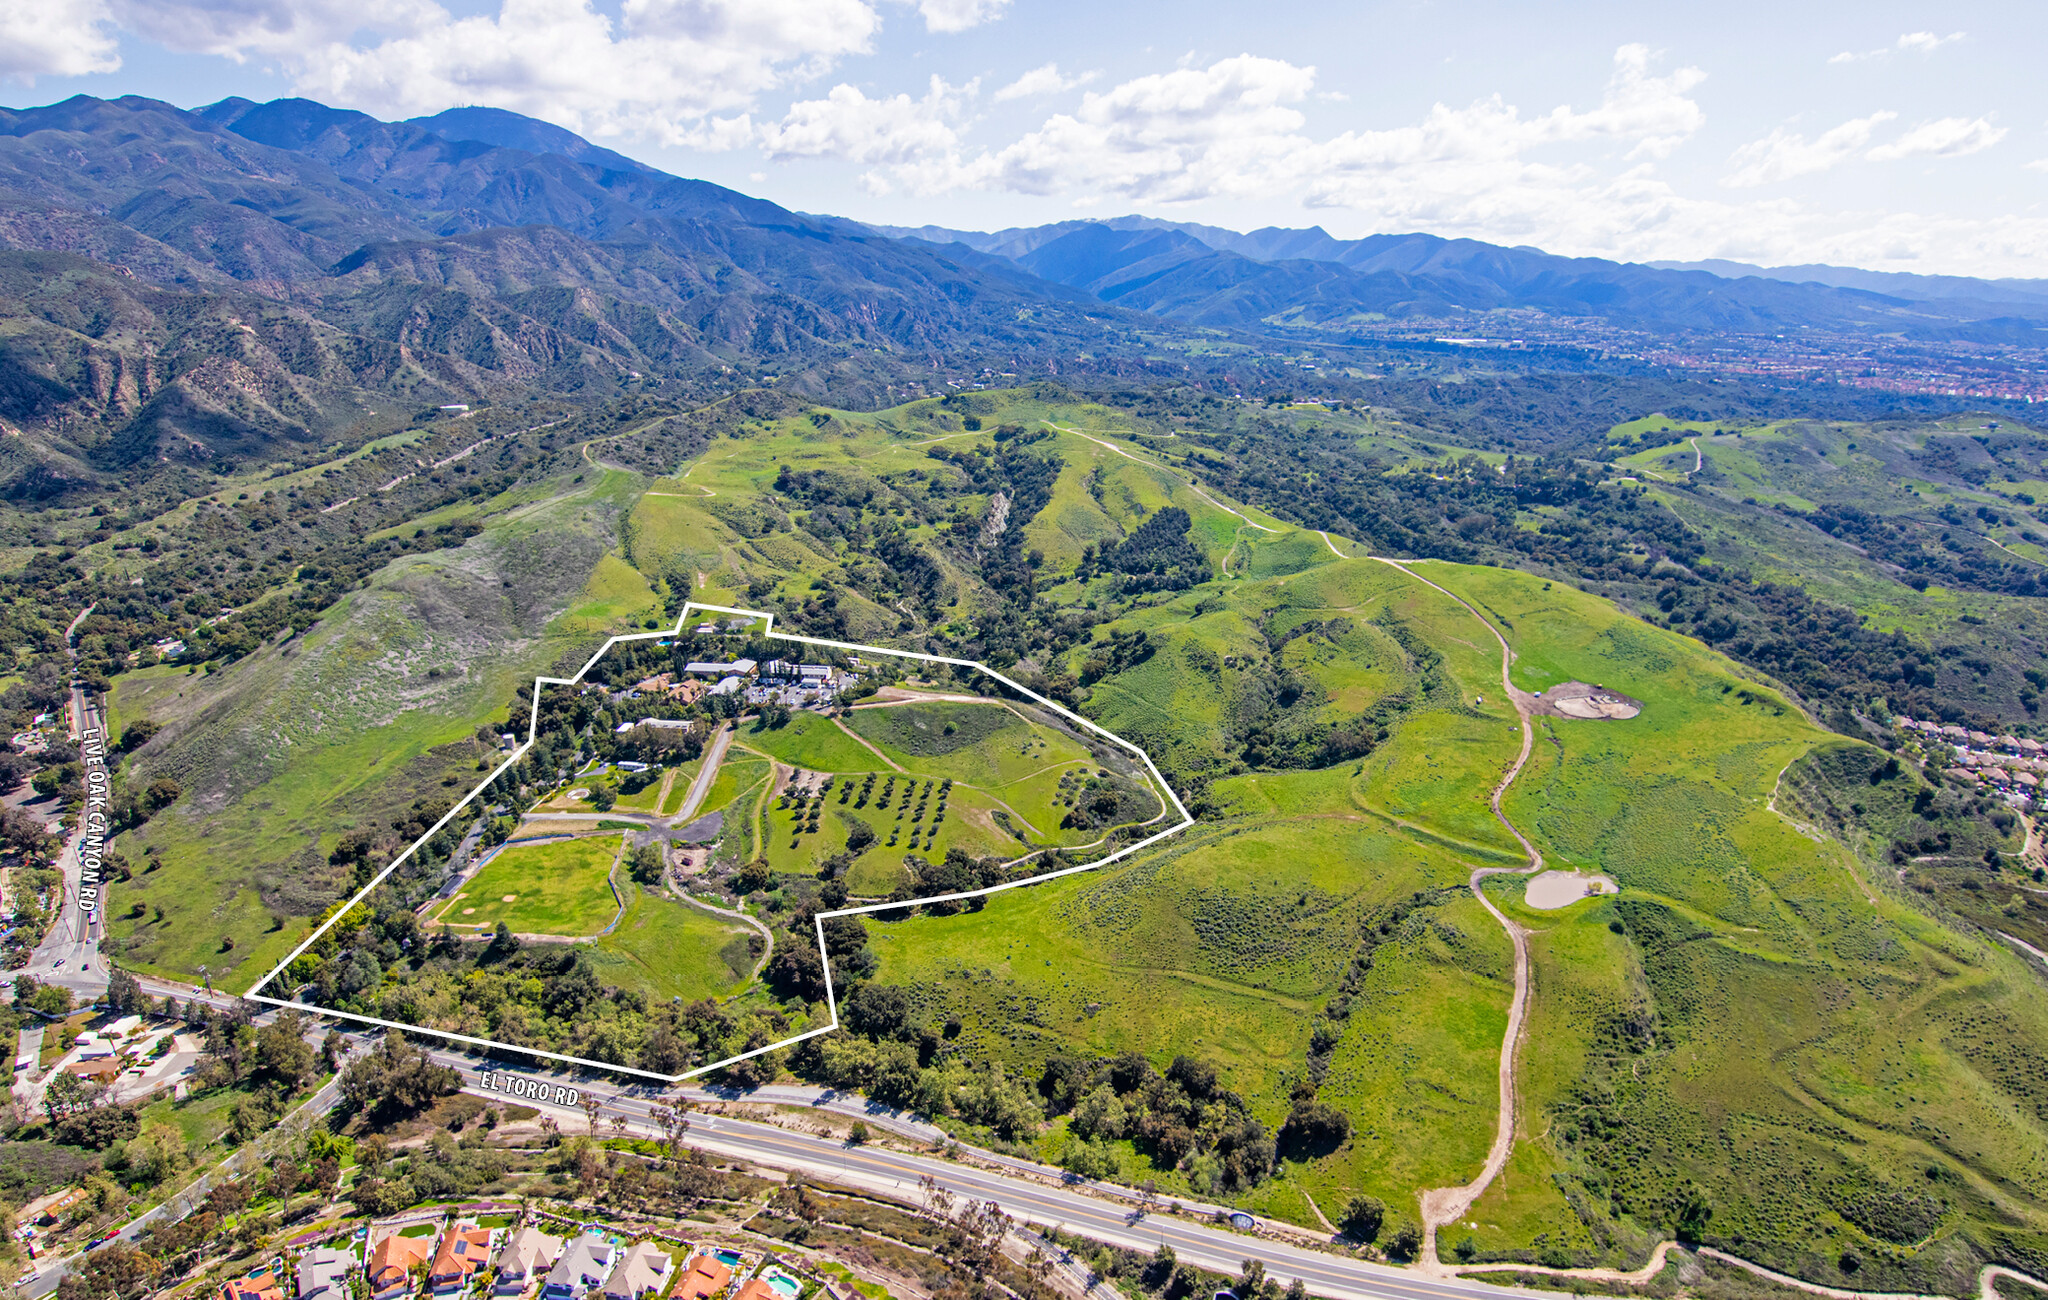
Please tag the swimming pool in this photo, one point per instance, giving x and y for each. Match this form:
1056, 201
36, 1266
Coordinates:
784, 1285
728, 1258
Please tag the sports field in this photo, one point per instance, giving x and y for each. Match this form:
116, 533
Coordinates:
556, 888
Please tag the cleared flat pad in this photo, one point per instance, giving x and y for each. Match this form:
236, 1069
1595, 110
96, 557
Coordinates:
1554, 889
558, 887
1584, 700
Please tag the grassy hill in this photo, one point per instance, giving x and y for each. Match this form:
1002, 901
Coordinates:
355, 728
1772, 1022
1755, 1014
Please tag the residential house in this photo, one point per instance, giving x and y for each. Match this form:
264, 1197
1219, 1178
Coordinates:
464, 1249
705, 1278
525, 1259
391, 1263
263, 1286
645, 1268
323, 1273
757, 1288
582, 1268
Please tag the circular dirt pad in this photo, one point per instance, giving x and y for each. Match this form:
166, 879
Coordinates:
1554, 889
1582, 700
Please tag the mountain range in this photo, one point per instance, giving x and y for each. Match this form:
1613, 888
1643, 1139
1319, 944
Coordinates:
1277, 277
192, 285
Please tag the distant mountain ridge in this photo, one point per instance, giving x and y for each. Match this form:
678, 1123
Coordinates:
1899, 284
247, 271
1284, 277
507, 130
424, 261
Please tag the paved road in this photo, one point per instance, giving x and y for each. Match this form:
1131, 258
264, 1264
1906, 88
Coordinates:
51, 1272
1080, 1208
69, 954
701, 785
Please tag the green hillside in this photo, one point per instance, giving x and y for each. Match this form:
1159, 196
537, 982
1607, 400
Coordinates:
1793, 1030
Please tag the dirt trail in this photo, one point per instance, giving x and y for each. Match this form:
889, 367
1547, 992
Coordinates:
1634, 1276
1986, 1278
1192, 485
864, 743
1445, 1205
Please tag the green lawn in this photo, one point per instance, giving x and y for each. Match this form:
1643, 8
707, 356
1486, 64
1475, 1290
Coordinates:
739, 775
557, 888
988, 745
812, 741
667, 949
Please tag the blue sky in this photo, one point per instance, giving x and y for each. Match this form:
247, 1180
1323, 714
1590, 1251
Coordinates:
1893, 136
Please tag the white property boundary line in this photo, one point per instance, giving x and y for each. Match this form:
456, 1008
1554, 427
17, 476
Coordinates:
831, 995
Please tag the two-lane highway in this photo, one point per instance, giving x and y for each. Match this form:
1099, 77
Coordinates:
69, 954
1044, 1200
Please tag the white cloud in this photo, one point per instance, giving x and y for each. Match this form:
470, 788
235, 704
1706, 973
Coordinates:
55, 38
1781, 155
236, 29
1927, 42
1914, 42
1235, 130
958, 15
1948, 137
847, 124
659, 68
1652, 114
1043, 80
1190, 133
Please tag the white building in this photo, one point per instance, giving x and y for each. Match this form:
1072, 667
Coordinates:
582, 1268
646, 1267
525, 1257
324, 1273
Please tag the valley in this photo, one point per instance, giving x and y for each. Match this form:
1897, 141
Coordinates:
1467, 810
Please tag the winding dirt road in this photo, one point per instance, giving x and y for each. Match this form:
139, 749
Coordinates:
1445, 1205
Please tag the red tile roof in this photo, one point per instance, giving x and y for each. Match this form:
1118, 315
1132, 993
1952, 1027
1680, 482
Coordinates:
261, 1287
394, 1257
707, 1277
462, 1252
